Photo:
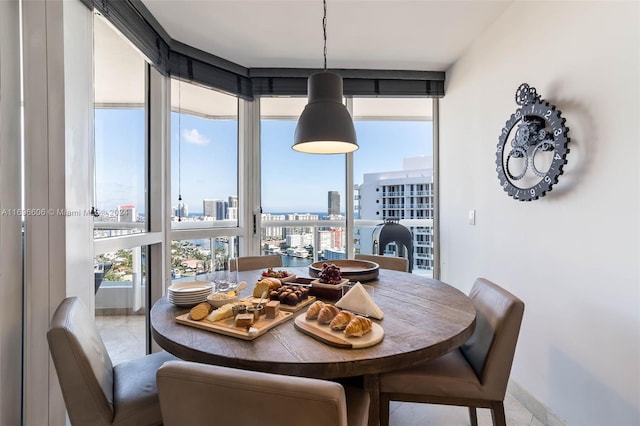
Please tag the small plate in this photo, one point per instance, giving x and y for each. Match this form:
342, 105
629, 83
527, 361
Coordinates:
192, 286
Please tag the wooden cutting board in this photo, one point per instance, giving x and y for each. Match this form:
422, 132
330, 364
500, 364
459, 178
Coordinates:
283, 306
227, 326
337, 338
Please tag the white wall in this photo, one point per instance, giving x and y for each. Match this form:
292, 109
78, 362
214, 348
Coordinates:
10, 220
572, 256
57, 83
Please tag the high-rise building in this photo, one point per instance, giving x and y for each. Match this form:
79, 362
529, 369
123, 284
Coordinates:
181, 210
333, 203
232, 208
400, 195
221, 210
208, 207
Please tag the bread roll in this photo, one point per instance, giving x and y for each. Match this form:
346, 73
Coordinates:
314, 310
358, 327
341, 320
292, 299
327, 313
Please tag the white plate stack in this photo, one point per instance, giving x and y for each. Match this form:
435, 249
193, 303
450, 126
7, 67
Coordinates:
189, 293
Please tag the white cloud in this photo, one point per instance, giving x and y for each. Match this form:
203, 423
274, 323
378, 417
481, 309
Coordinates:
193, 136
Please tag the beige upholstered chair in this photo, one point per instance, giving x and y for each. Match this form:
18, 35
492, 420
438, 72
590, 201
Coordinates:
386, 262
476, 374
249, 263
200, 394
96, 393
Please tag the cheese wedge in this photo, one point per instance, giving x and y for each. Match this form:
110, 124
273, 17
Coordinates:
224, 311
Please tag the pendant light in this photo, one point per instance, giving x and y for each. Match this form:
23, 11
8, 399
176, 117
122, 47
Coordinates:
325, 126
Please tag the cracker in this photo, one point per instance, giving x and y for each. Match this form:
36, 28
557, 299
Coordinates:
200, 311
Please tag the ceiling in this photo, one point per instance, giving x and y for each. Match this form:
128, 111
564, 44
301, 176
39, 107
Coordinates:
424, 35
419, 35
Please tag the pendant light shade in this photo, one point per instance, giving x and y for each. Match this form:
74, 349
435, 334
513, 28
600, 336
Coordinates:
325, 125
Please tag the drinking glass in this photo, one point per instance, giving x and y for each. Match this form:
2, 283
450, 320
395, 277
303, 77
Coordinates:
222, 276
232, 276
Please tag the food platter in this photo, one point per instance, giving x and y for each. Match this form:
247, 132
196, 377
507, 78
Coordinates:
226, 326
337, 338
352, 269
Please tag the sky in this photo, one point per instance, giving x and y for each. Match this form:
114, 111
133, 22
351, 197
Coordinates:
204, 162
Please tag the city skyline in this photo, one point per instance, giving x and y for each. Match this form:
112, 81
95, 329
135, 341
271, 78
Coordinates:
291, 181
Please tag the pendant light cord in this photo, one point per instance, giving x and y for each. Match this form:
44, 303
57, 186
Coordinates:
324, 30
94, 202
179, 151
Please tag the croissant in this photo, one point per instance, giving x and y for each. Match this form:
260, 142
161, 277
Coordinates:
358, 327
327, 313
314, 309
341, 320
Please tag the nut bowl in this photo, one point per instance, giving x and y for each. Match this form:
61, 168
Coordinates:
218, 299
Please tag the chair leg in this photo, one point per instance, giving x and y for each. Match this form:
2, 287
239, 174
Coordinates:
473, 417
497, 414
384, 410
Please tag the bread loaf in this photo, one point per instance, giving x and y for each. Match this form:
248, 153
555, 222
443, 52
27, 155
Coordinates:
274, 282
261, 287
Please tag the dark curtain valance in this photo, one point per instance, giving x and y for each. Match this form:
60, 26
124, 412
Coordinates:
173, 58
291, 82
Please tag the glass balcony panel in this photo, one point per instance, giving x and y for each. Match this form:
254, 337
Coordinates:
120, 306
199, 259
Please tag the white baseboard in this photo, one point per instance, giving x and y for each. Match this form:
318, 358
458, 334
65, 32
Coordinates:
537, 408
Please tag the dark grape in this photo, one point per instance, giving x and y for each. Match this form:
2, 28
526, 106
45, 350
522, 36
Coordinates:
330, 274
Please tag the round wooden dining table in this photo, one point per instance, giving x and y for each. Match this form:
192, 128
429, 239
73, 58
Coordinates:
423, 319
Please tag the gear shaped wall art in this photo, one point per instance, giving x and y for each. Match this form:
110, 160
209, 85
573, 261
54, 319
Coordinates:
532, 147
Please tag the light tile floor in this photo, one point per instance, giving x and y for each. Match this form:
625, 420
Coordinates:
412, 414
124, 338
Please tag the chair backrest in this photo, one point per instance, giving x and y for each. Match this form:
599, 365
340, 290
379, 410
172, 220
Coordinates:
490, 349
386, 262
249, 263
84, 369
200, 394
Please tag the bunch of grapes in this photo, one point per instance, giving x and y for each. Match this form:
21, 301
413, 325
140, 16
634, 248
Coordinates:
330, 274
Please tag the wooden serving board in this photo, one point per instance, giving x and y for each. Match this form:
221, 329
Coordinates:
337, 338
283, 306
227, 327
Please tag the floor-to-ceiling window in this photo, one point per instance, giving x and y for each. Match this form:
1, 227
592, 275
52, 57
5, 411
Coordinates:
205, 202
121, 152
393, 175
302, 195
304, 198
